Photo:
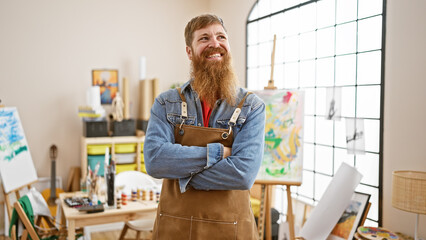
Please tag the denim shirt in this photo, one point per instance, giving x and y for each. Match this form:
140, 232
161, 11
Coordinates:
204, 168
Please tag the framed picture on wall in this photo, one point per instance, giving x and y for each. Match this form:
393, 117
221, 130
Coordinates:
353, 216
107, 80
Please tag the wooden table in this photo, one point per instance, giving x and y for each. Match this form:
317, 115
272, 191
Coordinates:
129, 212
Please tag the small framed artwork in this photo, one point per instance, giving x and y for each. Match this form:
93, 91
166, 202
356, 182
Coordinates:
107, 80
352, 217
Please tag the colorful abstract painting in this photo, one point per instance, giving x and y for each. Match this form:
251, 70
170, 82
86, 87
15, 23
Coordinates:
283, 157
107, 80
16, 165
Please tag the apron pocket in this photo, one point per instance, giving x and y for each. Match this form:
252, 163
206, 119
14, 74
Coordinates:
182, 228
212, 229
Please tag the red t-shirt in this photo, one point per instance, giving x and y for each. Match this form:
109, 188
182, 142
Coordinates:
207, 111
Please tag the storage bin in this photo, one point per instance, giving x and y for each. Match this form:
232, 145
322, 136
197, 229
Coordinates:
93, 160
125, 148
98, 149
125, 167
122, 158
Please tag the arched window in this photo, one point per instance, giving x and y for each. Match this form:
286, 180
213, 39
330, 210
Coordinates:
323, 45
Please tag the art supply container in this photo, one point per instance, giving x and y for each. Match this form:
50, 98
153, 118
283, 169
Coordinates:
110, 183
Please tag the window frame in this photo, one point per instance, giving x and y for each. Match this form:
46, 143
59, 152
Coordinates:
356, 53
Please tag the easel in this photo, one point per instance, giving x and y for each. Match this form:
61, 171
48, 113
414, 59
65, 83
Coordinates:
265, 207
266, 185
271, 80
16, 192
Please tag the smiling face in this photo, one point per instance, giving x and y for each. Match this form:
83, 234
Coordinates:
210, 42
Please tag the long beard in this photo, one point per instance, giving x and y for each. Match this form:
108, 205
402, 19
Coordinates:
214, 80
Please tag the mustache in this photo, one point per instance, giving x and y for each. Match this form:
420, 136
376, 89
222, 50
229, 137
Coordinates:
209, 51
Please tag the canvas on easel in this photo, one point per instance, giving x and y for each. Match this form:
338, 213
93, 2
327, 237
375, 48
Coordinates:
283, 154
282, 163
16, 165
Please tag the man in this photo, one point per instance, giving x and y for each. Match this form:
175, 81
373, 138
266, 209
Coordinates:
206, 141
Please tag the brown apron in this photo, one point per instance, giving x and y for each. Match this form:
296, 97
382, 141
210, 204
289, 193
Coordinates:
199, 214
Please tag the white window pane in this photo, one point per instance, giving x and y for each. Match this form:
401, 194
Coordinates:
309, 101
348, 102
308, 17
370, 34
253, 56
265, 53
309, 124
264, 7
324, 131
372, 135
254, 12
368, 102
307, 45
307, 73
291, 22
346, 11
340, 134
290, 3
325, 42
345, 70
265, 30
253, 79
325, 13
321, 184
264, 75
342, 156
279, 50
277, 5
308, 156
277, 25
324, 159
368, 8
325, 72
278, 76
368, 166
252, 33
346, 38
320, 101
369, 68
291, 75
307, 188
291, 49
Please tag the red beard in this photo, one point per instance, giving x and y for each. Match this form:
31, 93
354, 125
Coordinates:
213, 79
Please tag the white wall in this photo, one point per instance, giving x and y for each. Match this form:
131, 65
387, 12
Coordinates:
48, 49
405, 110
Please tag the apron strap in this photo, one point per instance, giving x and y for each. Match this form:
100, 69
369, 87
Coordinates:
237, 111
184, 107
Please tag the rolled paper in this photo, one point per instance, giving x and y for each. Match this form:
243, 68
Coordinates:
126, 113
333, 203
142, 68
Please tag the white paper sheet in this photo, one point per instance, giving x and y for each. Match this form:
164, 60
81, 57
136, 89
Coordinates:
332, 204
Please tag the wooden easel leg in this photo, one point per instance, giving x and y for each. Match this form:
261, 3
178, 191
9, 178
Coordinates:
261, 220
290, 217
268, 212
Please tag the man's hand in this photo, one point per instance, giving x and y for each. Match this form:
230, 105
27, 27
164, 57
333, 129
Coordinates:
227, 152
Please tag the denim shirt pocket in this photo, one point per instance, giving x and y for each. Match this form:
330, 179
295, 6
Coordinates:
223, 122
173, 110
176, 119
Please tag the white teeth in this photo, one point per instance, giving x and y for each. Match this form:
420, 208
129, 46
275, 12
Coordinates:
214, 55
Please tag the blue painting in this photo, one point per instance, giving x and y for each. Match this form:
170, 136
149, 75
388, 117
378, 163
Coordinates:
16, 165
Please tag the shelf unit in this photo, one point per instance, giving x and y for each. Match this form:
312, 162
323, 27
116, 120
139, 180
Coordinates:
110, 140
